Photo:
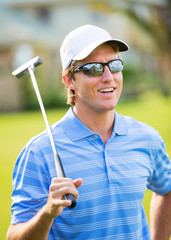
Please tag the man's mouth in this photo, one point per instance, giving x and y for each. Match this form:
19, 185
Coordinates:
106, 90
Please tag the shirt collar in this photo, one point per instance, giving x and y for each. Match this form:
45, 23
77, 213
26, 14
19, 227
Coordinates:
76, 130
120, 126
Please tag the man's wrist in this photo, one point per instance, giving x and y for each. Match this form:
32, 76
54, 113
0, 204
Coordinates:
46, 216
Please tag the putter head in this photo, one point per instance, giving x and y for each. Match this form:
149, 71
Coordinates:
23, 69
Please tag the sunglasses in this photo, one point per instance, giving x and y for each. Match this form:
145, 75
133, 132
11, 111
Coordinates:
96, 68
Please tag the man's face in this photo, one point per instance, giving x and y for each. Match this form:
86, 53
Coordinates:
98, 93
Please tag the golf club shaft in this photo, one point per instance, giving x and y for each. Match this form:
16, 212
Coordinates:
58, 163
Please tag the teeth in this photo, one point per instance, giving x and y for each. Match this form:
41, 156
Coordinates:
106, 90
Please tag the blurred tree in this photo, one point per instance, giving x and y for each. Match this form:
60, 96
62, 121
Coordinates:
159, 27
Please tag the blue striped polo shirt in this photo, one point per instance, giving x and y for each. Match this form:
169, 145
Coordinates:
115, 177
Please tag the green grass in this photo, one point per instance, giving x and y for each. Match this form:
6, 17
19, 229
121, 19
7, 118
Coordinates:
17, 128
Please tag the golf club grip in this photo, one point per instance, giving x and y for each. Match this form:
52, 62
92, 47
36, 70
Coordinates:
72, 199
61, 174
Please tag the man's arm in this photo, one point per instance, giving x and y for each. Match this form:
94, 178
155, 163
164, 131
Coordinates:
39, 226
160, 216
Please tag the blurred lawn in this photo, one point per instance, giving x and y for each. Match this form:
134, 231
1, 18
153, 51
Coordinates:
17, 128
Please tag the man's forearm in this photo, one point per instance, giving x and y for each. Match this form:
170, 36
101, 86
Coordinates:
160, 216
36, 228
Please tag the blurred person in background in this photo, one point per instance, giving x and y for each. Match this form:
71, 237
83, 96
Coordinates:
109, 159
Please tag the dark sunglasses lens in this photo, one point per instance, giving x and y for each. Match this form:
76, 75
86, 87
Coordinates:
94, 69
116, 66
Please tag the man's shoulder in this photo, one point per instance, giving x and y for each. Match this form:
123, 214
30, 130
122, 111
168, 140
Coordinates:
43, 139
138, 127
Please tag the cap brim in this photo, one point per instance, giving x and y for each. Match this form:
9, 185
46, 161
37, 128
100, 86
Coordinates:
86, 51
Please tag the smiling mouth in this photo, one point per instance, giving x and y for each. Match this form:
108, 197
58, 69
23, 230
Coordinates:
106, 90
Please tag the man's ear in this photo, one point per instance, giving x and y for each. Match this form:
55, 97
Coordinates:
69, 81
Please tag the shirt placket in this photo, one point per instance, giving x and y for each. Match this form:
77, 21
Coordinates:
108, 160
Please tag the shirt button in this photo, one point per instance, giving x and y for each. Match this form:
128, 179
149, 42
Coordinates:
96, 136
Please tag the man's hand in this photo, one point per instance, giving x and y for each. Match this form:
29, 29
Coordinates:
58, 188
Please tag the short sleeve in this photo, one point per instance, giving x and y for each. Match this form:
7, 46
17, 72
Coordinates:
30, 185
160, 182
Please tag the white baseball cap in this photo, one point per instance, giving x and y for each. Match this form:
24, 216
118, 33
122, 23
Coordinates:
79, 43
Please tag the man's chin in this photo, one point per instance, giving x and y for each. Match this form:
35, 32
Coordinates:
107, 108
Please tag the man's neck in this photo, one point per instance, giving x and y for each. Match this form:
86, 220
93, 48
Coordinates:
98, 122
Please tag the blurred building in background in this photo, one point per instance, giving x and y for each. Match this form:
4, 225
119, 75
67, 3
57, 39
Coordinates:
37, 27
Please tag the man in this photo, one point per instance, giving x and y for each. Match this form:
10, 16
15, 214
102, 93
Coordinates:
108, 157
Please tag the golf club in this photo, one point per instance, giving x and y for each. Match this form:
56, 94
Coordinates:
19, 72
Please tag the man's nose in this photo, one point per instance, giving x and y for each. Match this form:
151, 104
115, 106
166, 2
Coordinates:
107, 75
